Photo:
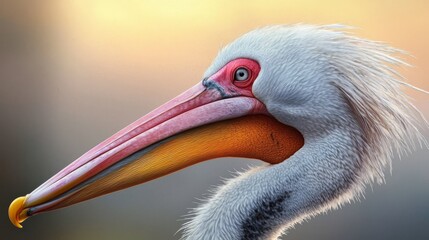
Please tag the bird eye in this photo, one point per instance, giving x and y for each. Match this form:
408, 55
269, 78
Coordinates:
241, 74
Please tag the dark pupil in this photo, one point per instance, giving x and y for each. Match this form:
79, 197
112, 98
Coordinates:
241, 73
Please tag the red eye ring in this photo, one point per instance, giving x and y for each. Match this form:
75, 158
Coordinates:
247, 65
242, 74
245, 82
226, 75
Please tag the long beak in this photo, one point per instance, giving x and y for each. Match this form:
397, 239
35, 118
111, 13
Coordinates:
191, 128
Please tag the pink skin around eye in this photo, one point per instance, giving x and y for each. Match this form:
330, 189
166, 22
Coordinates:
225, 77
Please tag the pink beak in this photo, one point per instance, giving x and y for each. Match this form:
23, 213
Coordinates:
101, 169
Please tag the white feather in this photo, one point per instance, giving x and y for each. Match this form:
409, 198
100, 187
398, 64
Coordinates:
343, 94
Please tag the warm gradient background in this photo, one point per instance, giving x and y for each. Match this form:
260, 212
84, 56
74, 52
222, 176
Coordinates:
74, 72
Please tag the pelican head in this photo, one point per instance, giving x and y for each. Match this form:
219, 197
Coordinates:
323, 108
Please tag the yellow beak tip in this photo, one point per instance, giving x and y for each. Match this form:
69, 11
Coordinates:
16, 213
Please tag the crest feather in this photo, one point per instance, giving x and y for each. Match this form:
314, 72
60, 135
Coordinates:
372, 87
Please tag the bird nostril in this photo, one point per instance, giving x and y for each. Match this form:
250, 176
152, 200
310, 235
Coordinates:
204, 82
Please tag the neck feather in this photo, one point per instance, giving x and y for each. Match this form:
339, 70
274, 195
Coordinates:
264, 201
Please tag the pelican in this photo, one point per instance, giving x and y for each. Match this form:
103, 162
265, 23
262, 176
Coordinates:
322, 107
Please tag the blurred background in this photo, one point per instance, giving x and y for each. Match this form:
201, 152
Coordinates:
74, 72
